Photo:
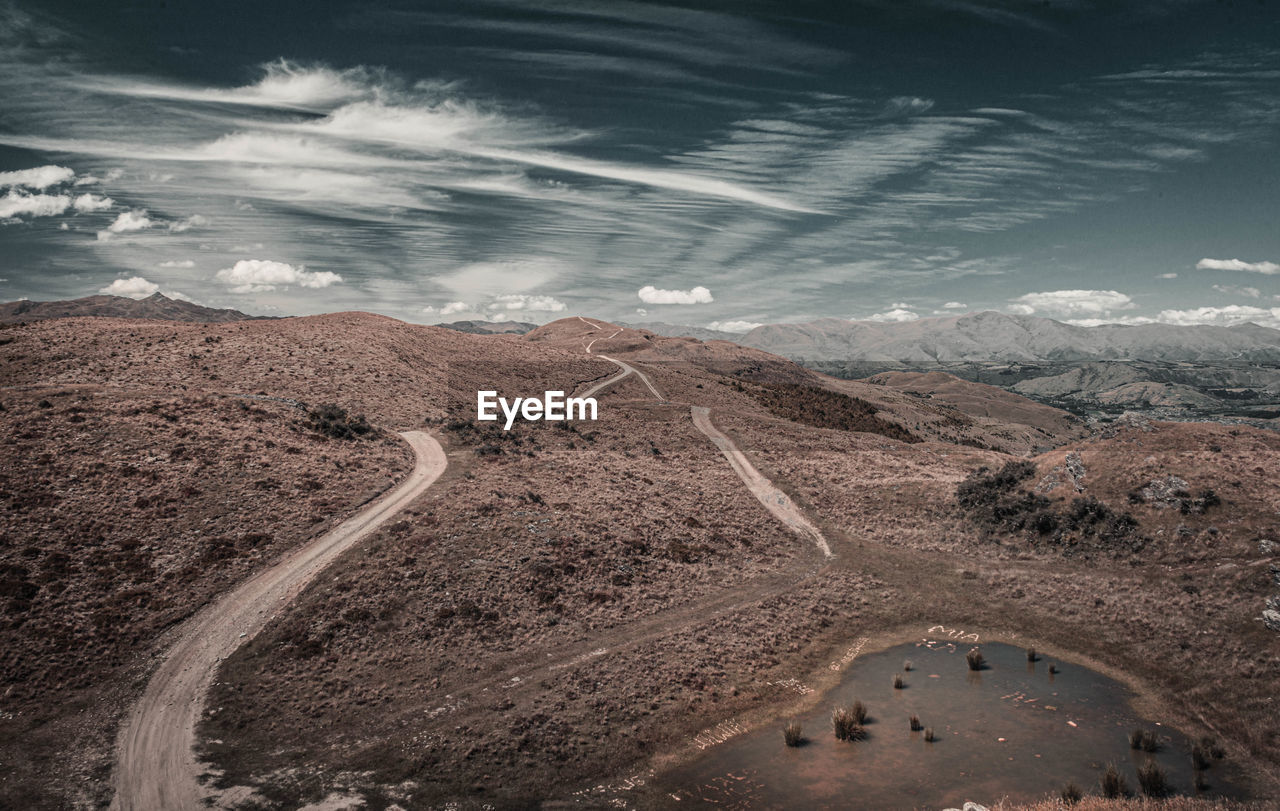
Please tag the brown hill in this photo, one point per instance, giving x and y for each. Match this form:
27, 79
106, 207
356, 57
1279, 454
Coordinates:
155, 306
983, 401
567, 600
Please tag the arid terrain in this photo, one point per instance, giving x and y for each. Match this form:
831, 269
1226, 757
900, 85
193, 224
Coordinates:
571, 607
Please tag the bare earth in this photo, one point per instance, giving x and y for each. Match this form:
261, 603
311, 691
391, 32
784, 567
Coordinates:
156, 761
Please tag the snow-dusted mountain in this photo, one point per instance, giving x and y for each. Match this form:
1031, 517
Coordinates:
991, 337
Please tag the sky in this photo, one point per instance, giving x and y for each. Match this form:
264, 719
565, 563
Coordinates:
715, 164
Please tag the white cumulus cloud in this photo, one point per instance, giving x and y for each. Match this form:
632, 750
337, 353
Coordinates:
261, 275
896, 314
652, 295
194, 221
177, 263
734, 326
954, 305
513, 302
92, 202
134, 287
1225, 316
1238, 290
1073, 302
16, 203
1266, 268
41, 177
1167, 276
126, 222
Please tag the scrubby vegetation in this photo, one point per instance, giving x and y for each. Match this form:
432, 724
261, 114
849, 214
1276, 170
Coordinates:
1113, 783
792, 734
334, 422
1152, 779
822, 408
1144, 739
1071, 794
974, 658
998, 503
847, 722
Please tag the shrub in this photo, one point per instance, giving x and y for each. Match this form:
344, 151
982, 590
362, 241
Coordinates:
845, 723
928, 735
907, 665
1143, 739
333, 421
1031, 655
1071, 794
1152, 779
1113, 784
974, 658
791, 734
1199, 758
1053, 669
899, 682
915, 723
859, 712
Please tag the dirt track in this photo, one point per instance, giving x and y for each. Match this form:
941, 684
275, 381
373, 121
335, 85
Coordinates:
156, 766
774, 500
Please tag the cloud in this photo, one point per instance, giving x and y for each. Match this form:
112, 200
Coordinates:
134, 287
1167, 276
194, 221
1237, 290
907, 105
177, 263
545, 304
92, 202
641, 311
261, 275
41, 177
16, 203
1228, 315
734, 326
895, 315
652, 295
1073, 302
126, 222
454, 307
954, 305
1267, 268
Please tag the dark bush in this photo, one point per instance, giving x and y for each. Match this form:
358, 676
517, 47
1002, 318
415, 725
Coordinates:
974, 658
333, 421
791, 734
846, 725
1071, 794
1113, 784
1152, 779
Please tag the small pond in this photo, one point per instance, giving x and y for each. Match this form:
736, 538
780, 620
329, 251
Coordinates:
1010, 730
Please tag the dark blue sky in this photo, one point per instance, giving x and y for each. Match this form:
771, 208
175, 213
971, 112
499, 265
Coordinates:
727, 163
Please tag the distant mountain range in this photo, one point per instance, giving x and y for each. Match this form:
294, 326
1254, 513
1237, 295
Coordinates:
990, 337
490, 327
679, 330
155, 306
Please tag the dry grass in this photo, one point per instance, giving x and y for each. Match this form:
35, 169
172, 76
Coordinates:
845, 723
915, 723
974, 658
793, 734
1152, 779
1113, 783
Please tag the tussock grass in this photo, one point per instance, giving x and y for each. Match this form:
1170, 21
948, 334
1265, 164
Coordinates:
1152, 779
928, 735
974, 658
1144, 739
845, 724
792, 734
915, 723
1071, 794
899, 682
1031, 655
1113, 783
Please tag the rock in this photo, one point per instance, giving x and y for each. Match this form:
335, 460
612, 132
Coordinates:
1166, 492
1267, 547
1275, 574
1271, 619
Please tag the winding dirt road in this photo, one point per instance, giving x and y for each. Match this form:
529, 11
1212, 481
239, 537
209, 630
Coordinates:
156, 766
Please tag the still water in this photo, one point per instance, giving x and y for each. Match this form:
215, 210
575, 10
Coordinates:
1010, 731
